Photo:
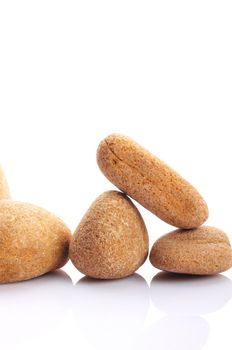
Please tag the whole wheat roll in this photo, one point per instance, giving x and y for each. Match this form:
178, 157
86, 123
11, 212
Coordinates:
202, 251
151, 182
111, 241
33, 241
4, 188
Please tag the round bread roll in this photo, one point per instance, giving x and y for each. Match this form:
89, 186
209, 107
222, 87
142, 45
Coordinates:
111, 240
202, 251
32, 241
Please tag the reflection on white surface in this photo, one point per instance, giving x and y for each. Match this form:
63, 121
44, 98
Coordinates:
176, 333
184, 299
50, 312
190, 295
32, 311
112, 313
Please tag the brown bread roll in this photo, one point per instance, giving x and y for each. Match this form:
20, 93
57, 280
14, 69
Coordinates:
111, 240
151, 182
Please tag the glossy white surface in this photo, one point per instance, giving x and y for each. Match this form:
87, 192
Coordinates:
167, 313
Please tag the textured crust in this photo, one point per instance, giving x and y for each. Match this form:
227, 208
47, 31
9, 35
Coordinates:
4, 188
111, 240
151, 182
202, 251
32, 241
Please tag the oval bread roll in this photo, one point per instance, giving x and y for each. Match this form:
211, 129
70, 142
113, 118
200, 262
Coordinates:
151, 182
4, 188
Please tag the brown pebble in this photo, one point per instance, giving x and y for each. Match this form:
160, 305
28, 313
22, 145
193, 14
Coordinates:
111, 240
32, 241
202, 251
151, 182
4, 188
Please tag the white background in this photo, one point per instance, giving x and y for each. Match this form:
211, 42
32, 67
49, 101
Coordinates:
72, 72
